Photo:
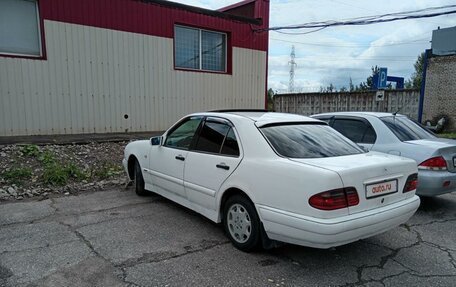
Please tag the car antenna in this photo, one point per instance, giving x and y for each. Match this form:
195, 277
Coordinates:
398, 110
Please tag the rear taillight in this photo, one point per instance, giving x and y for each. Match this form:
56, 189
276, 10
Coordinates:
435, 163
411, 183
335, 199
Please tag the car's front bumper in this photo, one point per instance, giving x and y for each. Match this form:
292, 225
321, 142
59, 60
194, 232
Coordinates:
430, 183
325, 233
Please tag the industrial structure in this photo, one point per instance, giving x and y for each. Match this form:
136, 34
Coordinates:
439, 89
97, 66
293, 64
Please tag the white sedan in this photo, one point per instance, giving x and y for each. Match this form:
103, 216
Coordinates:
272, 176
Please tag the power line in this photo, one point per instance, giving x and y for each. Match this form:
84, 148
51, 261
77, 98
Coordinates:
367, 20
423, 40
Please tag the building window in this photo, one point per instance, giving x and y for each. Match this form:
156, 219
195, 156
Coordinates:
199, 49
19, 28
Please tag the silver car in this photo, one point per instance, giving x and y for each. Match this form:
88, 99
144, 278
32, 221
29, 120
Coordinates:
398, 135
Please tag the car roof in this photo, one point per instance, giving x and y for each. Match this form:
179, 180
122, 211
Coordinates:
262, 118
373, 114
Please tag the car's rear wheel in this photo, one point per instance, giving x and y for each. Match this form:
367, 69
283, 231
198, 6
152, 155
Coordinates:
241, 223
139, 180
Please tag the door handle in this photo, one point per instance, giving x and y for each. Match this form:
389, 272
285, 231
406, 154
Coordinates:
223, 166
180, 157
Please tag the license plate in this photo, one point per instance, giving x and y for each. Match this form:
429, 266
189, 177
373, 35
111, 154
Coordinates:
381, 188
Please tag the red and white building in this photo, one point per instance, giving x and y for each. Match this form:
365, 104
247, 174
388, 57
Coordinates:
105, 66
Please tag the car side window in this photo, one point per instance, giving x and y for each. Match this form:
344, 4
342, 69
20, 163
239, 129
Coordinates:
230, 146
356, 130
181, 136
211, 137
369, 136
217, 138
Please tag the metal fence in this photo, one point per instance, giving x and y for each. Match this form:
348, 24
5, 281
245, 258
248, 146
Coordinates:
404, 101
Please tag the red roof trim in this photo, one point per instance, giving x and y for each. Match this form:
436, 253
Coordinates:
235, 5
156, 18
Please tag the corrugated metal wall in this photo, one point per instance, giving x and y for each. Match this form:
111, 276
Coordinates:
404, 101
94, 76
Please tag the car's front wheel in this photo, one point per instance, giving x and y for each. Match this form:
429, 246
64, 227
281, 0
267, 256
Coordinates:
139, 180
241, 223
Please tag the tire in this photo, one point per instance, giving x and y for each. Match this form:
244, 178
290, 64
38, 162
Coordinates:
241, 223
139, 180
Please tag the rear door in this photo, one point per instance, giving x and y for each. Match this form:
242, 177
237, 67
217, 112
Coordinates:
214, 156
358, 130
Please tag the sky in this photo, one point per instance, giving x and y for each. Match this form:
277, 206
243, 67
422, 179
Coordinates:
334, 55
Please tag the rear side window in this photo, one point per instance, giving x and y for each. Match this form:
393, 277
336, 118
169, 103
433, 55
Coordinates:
308, 141
356, 130
405, 129
218, 138
230, 146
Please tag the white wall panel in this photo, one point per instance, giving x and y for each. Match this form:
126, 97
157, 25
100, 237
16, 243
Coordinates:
93, 77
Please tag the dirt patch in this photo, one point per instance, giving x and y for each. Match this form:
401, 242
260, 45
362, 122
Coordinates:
31, 170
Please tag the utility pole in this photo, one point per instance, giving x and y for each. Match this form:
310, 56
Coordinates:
292, 70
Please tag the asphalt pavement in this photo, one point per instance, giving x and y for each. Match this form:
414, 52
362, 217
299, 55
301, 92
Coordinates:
115, 238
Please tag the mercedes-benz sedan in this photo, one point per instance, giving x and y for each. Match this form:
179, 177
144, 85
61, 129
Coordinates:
271, 176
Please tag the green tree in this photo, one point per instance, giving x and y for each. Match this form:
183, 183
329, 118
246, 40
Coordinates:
271, 99
329, 89
368, 85
417, 76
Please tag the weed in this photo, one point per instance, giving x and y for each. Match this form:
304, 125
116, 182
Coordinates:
47, 158
17, 174
31, 150
75, 172
107, 170
55, 174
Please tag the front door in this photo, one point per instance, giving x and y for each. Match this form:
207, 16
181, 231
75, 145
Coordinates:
168, 160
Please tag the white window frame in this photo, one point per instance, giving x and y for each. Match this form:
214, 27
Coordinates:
200, 30
40, 43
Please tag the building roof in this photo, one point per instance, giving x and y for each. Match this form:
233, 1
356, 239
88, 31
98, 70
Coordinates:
216, 13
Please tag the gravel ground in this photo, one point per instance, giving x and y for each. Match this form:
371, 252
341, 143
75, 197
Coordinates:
42, 171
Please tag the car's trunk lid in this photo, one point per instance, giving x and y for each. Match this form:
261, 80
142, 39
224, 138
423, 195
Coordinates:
440, 147
378, 178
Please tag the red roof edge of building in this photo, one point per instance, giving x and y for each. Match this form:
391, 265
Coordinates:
194, 9
235, 5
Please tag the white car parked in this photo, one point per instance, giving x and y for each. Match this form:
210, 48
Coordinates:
272, 176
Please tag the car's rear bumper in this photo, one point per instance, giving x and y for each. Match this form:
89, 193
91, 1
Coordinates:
430, 183
325, 233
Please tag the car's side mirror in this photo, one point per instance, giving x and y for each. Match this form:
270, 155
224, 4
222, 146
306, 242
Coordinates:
156, 140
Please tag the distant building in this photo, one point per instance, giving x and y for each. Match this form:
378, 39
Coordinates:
97, 66
440, 85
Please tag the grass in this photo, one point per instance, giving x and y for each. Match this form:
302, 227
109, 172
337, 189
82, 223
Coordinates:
31, 150
56, 173
107, 170
447, 135
17, 175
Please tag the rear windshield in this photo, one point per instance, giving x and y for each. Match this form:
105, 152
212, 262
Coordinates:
309, 141
405, 129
